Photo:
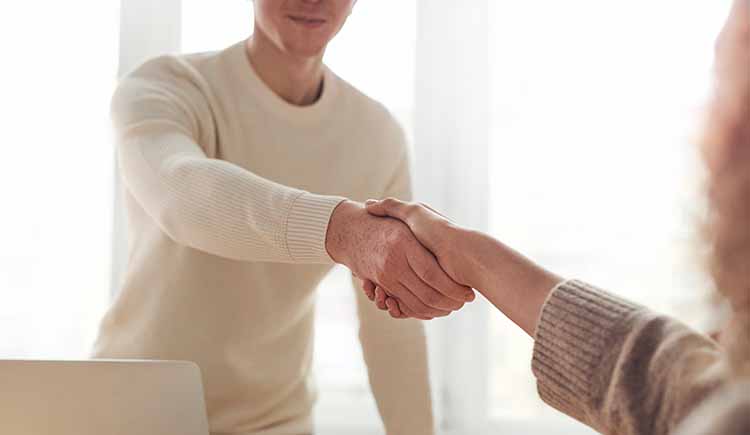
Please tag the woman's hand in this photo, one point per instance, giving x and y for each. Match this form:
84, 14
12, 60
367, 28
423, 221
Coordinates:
513, 283
436, 233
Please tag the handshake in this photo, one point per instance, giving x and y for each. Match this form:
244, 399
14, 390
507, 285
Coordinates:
413, 262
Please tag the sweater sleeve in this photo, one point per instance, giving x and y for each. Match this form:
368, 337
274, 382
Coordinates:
395, 351
619, 367
205, 203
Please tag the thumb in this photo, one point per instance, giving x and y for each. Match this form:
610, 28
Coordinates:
375, 207
387, 207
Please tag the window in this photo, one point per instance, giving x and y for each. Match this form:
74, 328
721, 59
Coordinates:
595, 106
55, 175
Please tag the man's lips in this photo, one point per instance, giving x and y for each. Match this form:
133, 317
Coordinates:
311, 22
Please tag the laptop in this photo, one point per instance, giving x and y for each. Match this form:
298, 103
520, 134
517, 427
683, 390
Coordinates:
101, 397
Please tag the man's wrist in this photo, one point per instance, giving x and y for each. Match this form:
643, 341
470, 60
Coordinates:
340, 230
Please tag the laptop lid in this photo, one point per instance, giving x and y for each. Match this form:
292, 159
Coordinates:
101, 397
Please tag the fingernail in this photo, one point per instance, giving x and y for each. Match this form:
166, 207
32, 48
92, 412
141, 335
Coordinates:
370, 201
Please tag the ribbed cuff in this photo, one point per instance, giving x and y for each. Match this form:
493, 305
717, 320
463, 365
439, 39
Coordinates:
576, 328
307, 224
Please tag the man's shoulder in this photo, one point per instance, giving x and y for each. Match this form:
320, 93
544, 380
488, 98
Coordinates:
174, 67
182, 78
172, 86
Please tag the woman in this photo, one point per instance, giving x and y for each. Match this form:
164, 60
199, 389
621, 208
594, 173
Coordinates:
616, 366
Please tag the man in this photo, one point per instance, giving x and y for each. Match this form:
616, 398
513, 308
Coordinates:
237, 167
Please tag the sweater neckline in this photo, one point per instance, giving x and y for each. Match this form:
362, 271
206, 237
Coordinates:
251, 82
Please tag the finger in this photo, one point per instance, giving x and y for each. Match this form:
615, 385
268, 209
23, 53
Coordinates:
388, 207
409, 313
416, 305
393, 309
428, 295
380, 299
369, 288
426, 267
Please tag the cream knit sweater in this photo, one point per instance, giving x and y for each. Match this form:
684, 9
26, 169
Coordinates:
229, 191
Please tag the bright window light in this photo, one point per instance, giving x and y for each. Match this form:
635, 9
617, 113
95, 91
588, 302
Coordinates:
594, 168
55, 175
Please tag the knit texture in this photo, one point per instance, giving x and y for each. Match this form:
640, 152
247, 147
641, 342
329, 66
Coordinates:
622, 369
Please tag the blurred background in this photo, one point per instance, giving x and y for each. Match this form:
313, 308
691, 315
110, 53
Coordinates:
566, 129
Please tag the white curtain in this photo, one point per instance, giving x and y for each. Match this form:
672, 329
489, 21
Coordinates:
147, 29
451, 139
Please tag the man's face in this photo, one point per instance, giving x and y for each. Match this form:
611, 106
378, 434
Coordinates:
301, 27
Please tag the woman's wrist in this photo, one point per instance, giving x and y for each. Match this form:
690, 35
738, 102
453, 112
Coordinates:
483, 258
514, 284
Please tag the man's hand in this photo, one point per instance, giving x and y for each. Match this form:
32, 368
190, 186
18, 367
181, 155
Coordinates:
435, 232
384, 251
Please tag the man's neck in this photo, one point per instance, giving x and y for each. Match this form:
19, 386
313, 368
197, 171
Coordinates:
297, 80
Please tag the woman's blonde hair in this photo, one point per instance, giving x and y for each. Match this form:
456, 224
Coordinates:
726, 149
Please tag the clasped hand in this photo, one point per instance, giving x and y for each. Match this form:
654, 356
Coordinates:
436, 233
387, 256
